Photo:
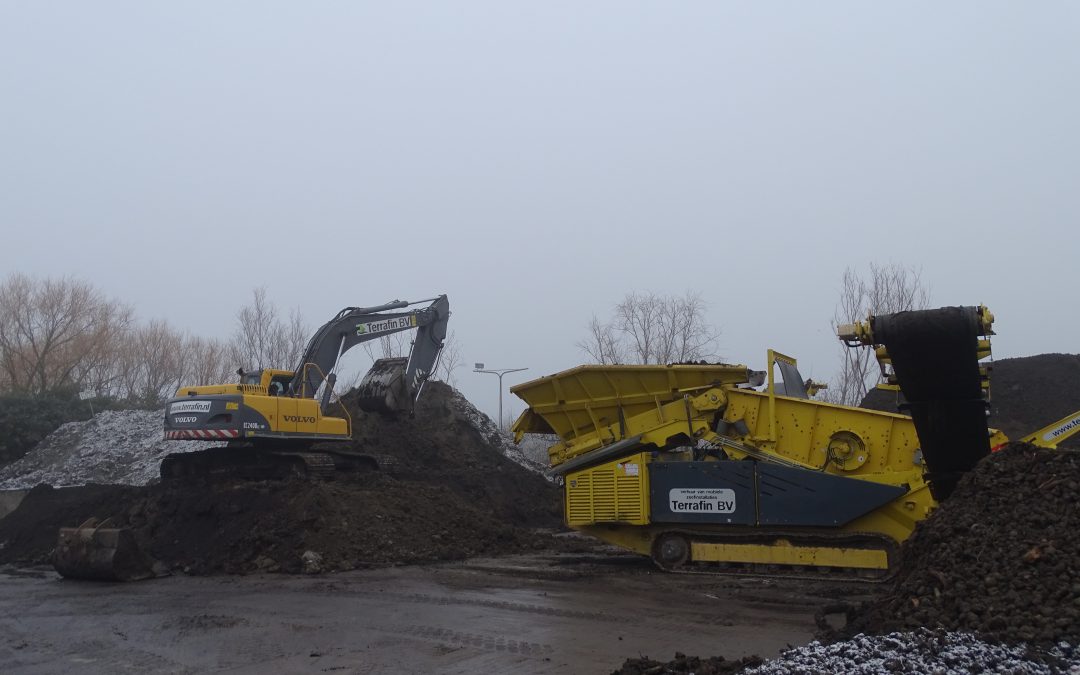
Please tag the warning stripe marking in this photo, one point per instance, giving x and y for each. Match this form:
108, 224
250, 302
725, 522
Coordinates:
201, 434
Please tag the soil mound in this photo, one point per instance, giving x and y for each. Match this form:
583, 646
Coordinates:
28, 534
363, 520
1001, 557
449, 494
442, 444
1026, 394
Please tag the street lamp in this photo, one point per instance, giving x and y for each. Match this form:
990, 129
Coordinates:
479, 368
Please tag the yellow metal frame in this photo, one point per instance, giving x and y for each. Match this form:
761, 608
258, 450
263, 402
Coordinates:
593, 407
783, 552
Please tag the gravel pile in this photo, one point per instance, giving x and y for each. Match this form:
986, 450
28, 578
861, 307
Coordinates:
1000, 558
119, 447
920, 652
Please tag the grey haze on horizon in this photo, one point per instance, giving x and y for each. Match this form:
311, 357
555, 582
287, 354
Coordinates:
538, 161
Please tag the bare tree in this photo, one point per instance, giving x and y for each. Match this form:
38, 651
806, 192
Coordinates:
888, 289
651, 328
450, 359
602, 345
263, 340
389, 346
207, 361
53, 332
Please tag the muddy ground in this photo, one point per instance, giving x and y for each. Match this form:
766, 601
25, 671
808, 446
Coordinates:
519, 614
1001, 561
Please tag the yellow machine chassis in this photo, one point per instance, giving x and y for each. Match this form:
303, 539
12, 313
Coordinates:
653, 410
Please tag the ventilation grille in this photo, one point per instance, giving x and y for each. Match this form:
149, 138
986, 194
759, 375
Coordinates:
609, 493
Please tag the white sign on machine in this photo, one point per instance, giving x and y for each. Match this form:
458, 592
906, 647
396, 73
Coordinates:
189, 407
1066, 426
396, 323
701, 500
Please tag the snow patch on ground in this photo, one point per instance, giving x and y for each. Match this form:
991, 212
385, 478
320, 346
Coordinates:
115, 447
922, 651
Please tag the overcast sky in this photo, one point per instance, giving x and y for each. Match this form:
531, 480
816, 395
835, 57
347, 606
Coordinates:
538, 161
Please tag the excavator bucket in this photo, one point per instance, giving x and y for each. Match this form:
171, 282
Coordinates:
384, 388
98, 550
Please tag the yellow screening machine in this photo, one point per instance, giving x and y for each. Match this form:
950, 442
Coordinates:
700, 465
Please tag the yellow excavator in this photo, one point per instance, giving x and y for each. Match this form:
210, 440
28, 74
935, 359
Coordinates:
274, 423
271, 421
721, 468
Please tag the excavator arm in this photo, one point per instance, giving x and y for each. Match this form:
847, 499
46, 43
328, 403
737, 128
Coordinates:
391, 383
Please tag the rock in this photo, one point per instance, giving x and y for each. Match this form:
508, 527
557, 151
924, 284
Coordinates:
311, 563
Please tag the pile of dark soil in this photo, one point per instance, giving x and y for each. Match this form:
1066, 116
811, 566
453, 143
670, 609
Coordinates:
440, 445
28, 534
1001, 557
354, 522
450, 495
715, 665
1026, 394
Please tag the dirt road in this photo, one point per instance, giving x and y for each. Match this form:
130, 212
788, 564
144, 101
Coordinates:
515, 615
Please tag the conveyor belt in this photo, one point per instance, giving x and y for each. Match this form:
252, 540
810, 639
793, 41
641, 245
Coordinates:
935, 357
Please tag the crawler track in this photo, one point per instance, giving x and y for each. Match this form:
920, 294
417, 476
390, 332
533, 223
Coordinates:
248, 463
867, 541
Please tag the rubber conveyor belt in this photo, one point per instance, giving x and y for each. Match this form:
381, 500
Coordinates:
935, 357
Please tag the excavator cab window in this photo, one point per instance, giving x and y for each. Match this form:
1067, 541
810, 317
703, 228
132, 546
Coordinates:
279, 384
252, 378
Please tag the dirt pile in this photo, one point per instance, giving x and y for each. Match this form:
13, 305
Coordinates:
28, 534
1026, 394
443, 445
450, 494
354, 522
1001, 557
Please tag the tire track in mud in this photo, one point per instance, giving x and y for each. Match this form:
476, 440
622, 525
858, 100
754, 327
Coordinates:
442, 600
677, 621
456, 638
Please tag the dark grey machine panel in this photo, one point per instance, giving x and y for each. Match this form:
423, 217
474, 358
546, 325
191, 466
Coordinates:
756, 493
702, 492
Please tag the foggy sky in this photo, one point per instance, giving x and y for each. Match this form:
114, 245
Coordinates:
538, 161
